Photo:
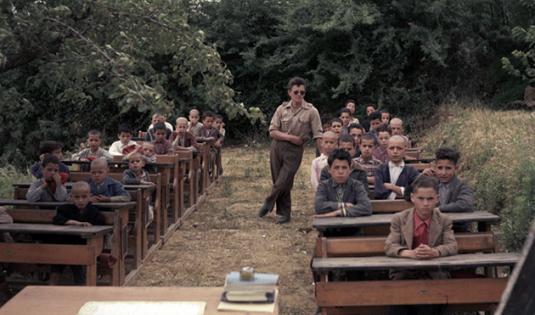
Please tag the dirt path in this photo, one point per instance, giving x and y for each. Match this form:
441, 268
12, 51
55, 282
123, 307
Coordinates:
225, 234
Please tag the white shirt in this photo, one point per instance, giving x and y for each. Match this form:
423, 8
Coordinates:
117, 147
395, 170
315, 171
167, 125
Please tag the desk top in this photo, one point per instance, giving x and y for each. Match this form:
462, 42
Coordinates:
85, 232
69, 185
385, 219
387, 263
122, 163
105, 205
67, 300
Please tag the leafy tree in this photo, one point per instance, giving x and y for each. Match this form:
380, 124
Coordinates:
67, 66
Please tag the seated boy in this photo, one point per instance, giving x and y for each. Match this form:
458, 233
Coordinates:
158, 118
346, 143
125, 144
49, 187
345, 116
453, 195
396, 125
356, 131
194, 126
422, 232
383, 134
385, 117
93, 149
366, 160
336, 126
352, 106
104, 188
392, 178
329, 142
184, 140
208, 132
161, 144
80, 213
55, 148
341, 195
375, 122
136, 175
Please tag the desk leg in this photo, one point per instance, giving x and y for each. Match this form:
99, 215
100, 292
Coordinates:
165, 199
91, 270
145, 223
139, 227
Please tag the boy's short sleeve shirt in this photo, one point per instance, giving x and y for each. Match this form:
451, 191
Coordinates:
301, 123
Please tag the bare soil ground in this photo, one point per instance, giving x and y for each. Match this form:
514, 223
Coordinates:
225, 234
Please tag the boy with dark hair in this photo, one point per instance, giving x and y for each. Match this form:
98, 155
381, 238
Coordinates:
80, 213
326, 122
50, 187
356, 131
352, 106
208, 132
103, 187
366, 160
345, 116
158, 118
383, 134
161, 144
394, 177
346, 143
336, 125
341, 195
125, 144
93, 150
54, 148
422, 232
375, 122
453, 195
385, 117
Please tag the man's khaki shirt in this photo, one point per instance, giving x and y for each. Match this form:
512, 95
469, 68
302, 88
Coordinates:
305, 121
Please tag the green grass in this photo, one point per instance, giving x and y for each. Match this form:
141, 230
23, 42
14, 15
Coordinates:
8, 176
498, 160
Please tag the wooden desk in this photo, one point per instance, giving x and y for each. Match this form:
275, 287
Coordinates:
54, 300
391, 263
120, 228
322, 224
58, 254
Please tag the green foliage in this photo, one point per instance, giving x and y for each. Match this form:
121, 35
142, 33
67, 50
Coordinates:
68, 66
523, 65
497, 159
519, 216
406, 56
8, 176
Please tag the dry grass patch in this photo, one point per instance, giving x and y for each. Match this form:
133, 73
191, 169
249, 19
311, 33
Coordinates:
225, 234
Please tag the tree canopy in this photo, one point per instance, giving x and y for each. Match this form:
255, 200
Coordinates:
69, 66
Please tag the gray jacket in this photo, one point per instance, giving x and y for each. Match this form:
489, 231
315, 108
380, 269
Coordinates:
460, 197
354, 193
37, 193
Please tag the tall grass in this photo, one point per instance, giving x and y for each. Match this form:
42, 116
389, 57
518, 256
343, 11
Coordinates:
498, 160
8, 176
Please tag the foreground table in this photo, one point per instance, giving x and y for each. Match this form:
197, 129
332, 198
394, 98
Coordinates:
54, 300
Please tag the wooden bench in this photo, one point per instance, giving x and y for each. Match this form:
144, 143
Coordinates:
339, 297
115, 212
56, 254
140, 194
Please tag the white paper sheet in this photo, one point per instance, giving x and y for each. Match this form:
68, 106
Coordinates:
142, 308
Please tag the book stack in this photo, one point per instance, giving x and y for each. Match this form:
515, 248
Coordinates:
260, 288
257, 292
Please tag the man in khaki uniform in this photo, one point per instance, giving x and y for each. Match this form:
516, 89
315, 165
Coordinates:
291, 127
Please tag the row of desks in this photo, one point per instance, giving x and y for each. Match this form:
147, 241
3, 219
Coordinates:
169, 210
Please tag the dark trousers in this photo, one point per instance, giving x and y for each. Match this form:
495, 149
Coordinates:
284, 158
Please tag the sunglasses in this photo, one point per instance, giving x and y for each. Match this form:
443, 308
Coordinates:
299, 92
